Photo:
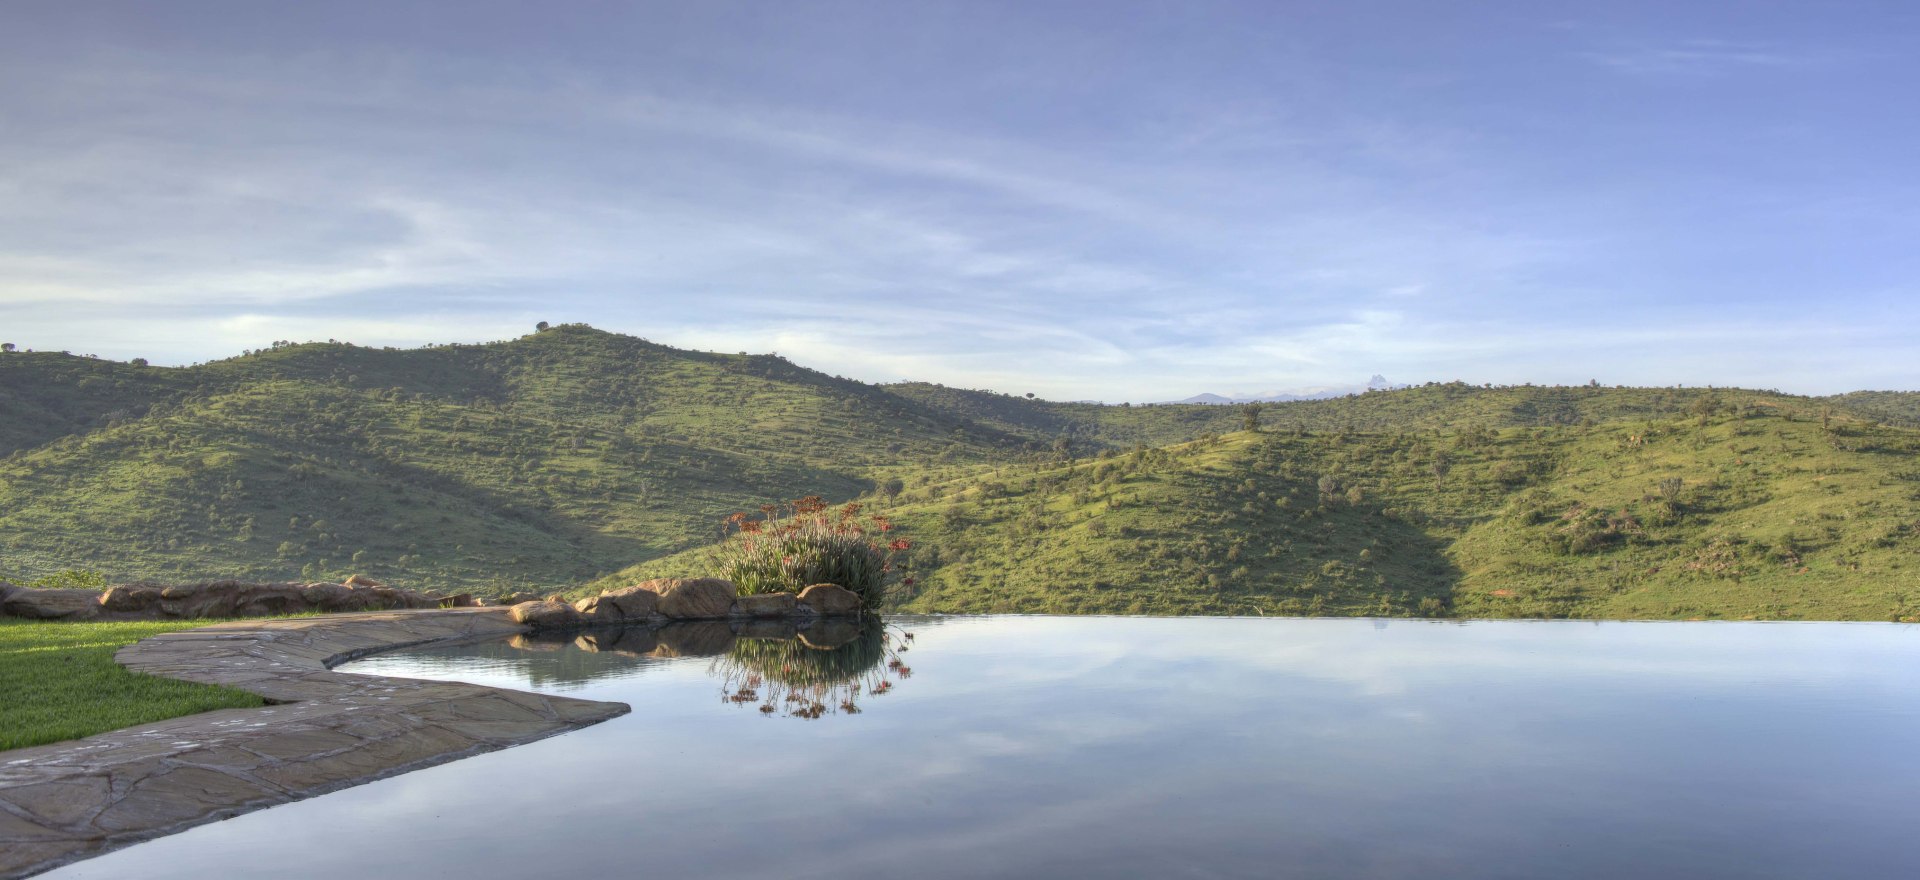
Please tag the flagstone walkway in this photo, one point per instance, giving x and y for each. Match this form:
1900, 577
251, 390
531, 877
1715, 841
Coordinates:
327, 730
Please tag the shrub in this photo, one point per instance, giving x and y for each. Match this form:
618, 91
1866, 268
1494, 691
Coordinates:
788, 548
69, 579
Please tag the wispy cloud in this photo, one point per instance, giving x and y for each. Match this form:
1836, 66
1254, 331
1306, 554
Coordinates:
1100, 214
1704, 57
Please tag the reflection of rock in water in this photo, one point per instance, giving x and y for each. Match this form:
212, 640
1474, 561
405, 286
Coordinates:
765, 629
545, 642
829, 634
821, 668
633, 641
703, 639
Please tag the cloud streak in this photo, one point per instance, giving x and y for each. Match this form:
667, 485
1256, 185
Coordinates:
1142, 230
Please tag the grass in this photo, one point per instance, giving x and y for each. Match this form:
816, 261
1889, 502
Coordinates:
524, 464
1753, 510
58, 682
561, 459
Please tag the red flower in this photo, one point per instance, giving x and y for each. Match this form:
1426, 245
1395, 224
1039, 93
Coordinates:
901, 544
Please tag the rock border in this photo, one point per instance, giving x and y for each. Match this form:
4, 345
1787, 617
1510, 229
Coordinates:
143, 600
669, 600
64, 802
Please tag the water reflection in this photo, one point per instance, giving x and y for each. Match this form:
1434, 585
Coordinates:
1121, 748
781, 670
823, 671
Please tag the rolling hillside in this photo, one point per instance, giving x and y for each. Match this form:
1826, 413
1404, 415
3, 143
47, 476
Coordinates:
1752, 510
527, 463
558, 458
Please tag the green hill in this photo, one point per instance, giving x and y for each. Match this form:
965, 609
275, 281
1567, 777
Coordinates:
573, 457
534, 462
1753, 510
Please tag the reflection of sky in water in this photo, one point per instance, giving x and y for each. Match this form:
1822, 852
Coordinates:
1038, 747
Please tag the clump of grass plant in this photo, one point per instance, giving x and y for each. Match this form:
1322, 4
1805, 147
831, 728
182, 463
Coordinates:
793, 546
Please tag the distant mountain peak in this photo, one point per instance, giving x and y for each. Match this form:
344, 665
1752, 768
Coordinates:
1376, 382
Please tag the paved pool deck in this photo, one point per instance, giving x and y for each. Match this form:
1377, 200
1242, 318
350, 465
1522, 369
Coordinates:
326, 731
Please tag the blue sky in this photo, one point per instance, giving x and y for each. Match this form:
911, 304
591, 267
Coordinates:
1120, 201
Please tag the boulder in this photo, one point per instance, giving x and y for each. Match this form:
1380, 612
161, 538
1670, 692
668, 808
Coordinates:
386, 598
458, 600
234, 599
258, 600
764, 605
53, 604
598, 610
693, 598
328, 597
182, 600
830, 600
130, 598
635, 602
545, 614
177, 600
361, 580
8, 589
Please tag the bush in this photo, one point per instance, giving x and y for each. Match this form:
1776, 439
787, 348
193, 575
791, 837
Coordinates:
795, 546
70, 579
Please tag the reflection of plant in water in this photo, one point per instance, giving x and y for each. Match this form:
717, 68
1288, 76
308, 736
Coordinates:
805, 678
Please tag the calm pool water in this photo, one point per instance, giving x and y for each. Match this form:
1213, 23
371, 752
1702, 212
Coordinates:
1118, 747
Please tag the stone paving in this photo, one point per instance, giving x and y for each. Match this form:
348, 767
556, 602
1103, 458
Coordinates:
327, 730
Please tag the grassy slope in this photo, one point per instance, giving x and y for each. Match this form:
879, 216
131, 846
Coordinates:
534, 462
550, 459
1773, 517
58, 681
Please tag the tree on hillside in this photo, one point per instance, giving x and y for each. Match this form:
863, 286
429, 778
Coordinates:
542, 326
6, 346
1250, 417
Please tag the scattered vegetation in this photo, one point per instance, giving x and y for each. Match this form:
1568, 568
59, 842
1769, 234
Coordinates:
562, 458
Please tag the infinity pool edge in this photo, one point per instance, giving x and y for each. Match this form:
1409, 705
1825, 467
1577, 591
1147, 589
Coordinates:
323, 731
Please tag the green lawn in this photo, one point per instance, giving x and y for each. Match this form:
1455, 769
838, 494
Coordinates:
58, 682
